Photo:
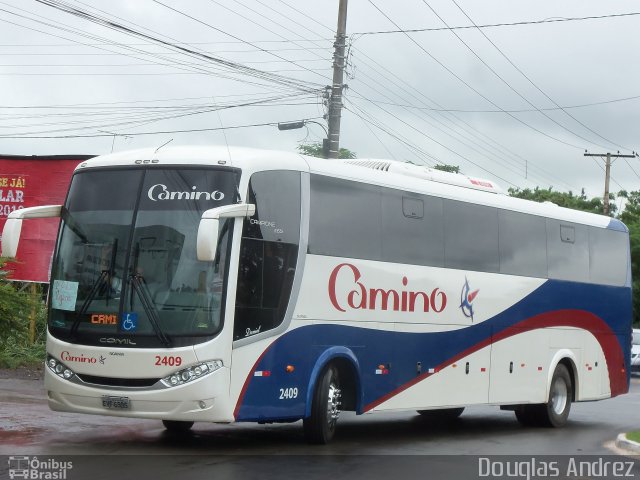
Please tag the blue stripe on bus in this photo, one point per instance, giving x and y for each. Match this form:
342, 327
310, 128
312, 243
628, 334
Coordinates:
263, 399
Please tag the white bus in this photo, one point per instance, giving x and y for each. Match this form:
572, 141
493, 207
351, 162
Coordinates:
215, 285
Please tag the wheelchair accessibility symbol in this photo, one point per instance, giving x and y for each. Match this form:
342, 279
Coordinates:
129, 322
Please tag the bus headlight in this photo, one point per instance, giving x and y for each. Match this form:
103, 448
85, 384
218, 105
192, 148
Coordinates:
189, 374
59, 368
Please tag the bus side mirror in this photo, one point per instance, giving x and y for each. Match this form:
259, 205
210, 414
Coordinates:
209, 227
13, 225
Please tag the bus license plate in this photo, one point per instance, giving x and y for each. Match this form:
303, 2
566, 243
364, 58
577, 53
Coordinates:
121, 403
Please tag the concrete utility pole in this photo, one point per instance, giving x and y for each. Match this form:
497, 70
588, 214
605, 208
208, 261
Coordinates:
607, 173
335, 100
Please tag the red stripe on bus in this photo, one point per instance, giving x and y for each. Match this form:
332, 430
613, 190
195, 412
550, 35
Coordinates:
561, 318
247, 380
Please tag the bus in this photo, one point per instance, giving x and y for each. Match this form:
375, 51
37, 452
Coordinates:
215, 284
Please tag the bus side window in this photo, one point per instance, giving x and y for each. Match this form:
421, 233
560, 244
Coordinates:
567, 251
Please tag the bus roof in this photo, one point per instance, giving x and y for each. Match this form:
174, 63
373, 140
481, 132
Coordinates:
392, 174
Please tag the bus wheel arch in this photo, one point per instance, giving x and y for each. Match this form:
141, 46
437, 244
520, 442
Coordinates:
348, 370
568, 359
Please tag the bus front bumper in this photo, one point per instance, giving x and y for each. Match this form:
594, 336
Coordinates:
202, 400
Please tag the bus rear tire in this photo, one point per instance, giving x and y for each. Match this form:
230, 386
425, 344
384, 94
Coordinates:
554, 413
443, 414
320, 426
177, 426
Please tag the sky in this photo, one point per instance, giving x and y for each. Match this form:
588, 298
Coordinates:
516, 97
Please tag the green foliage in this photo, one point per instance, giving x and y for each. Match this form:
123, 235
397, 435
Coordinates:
634, 436
448, 168
631, 217
564, 199
315, 150
15, 310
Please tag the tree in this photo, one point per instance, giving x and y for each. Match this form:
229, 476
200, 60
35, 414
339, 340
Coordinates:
448, 168
315, 150
564, 199
631, 218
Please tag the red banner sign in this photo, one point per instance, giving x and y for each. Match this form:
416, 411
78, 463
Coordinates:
29, 182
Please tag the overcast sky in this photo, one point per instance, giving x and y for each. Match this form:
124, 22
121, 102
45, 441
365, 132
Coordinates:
485, 99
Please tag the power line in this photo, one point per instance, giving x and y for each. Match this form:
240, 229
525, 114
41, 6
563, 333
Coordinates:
521, 110
421, 132
461, 123
178, 65
536, 86
494, 25
505, 82
379, 78
221, 31
240, 68
232, 127
476, 91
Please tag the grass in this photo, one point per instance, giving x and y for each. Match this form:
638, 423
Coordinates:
634, 436
15, 351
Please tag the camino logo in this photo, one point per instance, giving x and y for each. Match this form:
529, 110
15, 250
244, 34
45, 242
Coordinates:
466, 299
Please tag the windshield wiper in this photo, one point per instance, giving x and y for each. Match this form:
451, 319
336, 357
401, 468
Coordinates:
140, 287
95, 288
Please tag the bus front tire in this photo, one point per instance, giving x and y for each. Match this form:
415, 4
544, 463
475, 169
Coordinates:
554, 413
177, 426
320, 426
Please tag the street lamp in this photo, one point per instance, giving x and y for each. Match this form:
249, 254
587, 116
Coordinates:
302, 123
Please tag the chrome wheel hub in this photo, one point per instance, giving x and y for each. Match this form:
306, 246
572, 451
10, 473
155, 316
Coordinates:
559, 396
333, 404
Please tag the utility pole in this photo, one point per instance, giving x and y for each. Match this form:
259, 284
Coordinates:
335, 99
607, 173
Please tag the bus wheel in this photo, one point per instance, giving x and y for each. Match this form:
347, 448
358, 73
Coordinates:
320, 426
443, 414
555, 412
176, 426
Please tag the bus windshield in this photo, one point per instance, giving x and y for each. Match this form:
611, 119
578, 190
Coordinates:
125, 271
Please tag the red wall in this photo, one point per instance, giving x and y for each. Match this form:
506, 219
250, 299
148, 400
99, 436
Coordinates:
28, 182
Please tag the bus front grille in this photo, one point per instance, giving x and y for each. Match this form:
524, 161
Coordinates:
118, 382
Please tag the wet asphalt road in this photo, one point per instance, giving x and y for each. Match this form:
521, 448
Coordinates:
28, 427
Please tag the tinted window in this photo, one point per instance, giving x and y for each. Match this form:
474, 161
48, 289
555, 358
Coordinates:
345, 219
523, 244
105, 190
276, 196
268, 253
608, 254
567, 251
417, 238
471, 233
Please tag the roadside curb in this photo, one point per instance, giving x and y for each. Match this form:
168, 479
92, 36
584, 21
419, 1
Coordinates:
623, 442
